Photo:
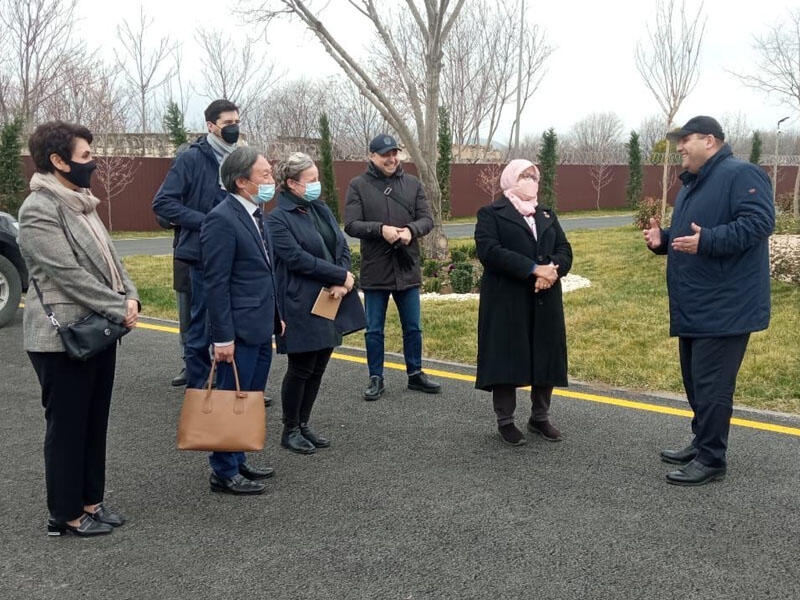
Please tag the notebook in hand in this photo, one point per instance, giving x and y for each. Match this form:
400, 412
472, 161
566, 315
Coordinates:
326, 305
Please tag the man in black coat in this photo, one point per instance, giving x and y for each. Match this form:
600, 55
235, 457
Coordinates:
387, 210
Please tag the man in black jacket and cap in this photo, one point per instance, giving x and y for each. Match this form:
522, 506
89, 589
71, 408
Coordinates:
387, 210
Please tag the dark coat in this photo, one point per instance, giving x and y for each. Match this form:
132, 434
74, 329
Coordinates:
724, 289
521, 334
367, 208
237, 278
189, 192
301, 271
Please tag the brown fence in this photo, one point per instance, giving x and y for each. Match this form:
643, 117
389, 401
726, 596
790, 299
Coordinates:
130, 210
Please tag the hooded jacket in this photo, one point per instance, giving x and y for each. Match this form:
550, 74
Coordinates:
724, 289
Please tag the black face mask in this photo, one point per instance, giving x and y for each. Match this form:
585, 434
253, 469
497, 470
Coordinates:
230, 133
80, 173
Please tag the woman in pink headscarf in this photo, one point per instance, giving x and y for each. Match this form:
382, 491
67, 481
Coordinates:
521, 333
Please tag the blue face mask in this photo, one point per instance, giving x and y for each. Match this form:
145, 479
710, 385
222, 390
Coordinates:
266, 191
313, 190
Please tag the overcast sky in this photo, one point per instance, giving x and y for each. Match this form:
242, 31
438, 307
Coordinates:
592, 68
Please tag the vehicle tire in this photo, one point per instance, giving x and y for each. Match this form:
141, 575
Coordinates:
10, 290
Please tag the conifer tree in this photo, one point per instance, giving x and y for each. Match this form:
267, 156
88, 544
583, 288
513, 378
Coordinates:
444, 158
633, 192
12, 181
548, 161
326, 175
174, 125
755, 149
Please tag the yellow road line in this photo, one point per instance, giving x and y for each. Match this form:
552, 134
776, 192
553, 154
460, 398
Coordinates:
631, 404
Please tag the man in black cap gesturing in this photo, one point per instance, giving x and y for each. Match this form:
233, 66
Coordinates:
718, 284
387, 210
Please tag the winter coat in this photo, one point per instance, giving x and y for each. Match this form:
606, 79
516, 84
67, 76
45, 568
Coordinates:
521, 334
368, 207
189, 192
724, 289
301, 270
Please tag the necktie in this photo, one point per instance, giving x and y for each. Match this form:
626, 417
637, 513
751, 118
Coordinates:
257, 215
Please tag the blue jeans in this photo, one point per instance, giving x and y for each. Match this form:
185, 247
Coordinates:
407, 302
198, 334
252, 363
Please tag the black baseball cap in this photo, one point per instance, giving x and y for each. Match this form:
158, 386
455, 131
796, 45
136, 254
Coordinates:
703, 125
381, 144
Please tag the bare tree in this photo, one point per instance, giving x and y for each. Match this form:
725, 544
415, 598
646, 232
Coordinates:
486, 69
143, 63
597, 132
354, 120
738, 133
235, 68
777, 71
433, 22
668, 65
37, 45
489, 180
651, 131
114, 174
601, 175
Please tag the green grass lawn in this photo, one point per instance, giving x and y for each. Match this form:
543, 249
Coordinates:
618, 330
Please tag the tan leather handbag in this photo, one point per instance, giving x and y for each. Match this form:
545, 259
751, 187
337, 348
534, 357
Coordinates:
222, 420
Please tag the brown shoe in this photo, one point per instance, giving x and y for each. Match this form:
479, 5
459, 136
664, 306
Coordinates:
512, 435
544, 429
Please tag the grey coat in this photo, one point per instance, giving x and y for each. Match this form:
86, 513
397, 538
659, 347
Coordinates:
63, 257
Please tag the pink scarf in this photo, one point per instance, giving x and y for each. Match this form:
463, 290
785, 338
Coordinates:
521, 193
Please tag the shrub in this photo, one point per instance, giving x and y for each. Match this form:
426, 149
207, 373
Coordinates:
783, 202
647, 208
472, 251
431, 285
786, 223
355, 261
462, 278
430, 268
458, 255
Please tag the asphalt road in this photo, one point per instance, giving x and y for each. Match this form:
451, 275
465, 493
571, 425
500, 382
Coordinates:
163, 245
417, 498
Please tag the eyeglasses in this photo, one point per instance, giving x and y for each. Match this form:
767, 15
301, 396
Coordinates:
529, 176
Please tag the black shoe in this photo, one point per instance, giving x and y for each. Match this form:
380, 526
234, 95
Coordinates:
695, 473
237, 485
679, 457
267, 400
103, 515
421, 383
544, 429
179, 379
293, 440
86, 528
255, 473
375, 388
512, 435
313, 437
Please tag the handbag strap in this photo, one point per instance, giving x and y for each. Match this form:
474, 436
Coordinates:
387, 191
46, 307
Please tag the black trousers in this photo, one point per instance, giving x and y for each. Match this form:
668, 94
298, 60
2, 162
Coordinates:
76, 396
709, 367
301, 384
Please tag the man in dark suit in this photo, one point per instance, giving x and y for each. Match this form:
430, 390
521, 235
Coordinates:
240, 296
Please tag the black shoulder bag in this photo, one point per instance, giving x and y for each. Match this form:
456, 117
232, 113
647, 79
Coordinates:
86, 337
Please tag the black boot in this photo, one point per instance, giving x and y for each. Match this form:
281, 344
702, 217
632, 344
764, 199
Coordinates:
293, 440
313, 437
375, 388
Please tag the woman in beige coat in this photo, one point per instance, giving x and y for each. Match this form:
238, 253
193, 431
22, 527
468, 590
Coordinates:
72, 260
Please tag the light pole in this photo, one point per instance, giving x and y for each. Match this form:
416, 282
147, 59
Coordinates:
775, 164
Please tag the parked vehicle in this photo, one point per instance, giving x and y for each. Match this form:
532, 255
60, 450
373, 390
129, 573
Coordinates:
13, 273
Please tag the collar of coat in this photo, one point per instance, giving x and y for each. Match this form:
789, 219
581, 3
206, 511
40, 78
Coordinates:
378, 174
688, 178
543, 218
